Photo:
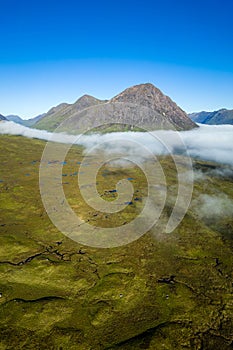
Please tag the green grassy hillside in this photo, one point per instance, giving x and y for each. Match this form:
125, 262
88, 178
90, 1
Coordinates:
163, 291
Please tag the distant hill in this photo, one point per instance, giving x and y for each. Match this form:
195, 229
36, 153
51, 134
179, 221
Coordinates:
2, 117
145, 104
32, 121
27, 122
222, 116
15, 119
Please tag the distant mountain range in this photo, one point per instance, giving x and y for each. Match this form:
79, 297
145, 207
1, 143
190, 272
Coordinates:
222, 116
15, 119
2, 117
145, 104
28, 122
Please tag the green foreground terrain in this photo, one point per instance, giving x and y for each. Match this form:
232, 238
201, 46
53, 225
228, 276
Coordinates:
163, 291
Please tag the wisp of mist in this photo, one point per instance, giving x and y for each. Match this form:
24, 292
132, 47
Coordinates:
208, 142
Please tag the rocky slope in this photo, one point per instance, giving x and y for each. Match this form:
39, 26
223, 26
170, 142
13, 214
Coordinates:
143, 106
2, 117
222, 116
58, 114
150, 96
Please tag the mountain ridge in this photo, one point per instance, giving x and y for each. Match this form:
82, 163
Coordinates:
26, 122
2, 117
221, 116
150, 101
56, 115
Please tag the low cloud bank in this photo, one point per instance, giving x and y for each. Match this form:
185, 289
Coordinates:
212, 143
218, 206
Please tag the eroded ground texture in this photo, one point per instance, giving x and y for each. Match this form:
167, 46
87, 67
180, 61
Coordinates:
162, 291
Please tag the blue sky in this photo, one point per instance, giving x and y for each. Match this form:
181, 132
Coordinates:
55, 51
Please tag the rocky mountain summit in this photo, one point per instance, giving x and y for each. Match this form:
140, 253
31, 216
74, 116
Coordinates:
150, 96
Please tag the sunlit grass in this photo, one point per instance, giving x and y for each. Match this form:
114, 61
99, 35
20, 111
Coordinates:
57, 294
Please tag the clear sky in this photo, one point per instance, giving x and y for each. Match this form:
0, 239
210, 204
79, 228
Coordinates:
55, 51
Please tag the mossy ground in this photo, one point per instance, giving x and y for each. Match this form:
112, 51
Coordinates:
57, 294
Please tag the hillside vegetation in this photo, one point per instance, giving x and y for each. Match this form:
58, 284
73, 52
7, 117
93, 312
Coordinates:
163, 291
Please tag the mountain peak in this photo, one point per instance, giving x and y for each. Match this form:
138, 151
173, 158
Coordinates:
144, 86
139, 89
160, 112
87, 99
145, 94
150, 96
